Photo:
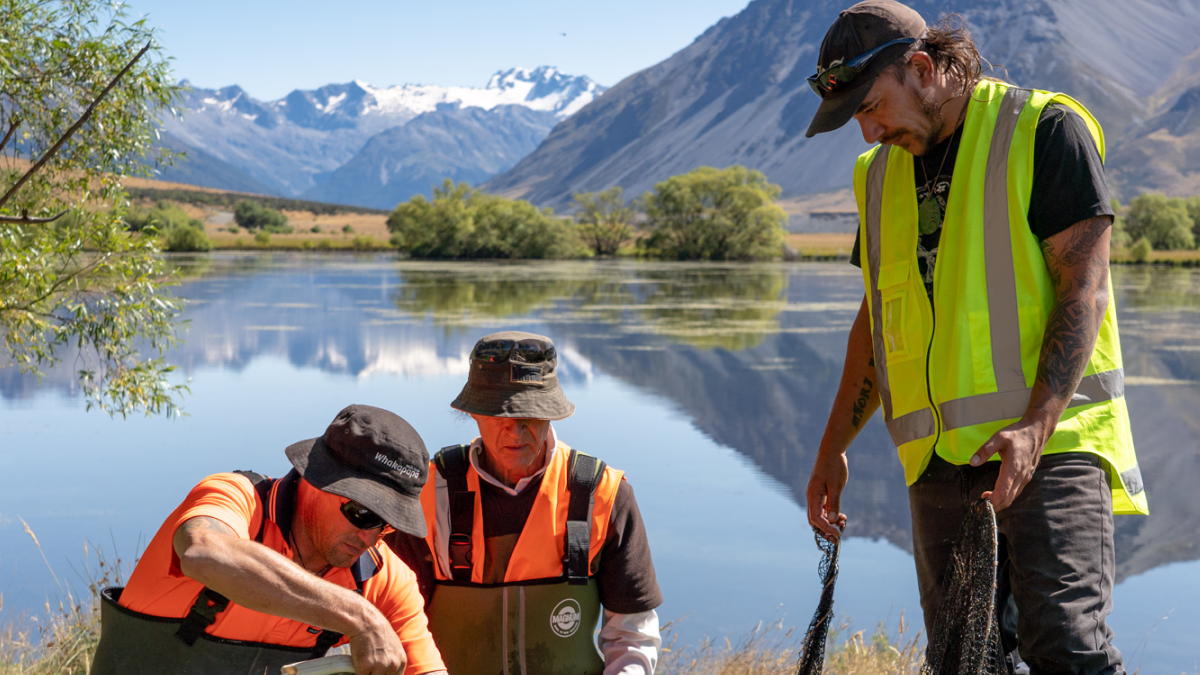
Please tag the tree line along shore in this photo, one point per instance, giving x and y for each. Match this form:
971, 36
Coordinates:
707, 214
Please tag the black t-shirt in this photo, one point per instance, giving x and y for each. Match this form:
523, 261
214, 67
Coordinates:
1068, 184
625, 577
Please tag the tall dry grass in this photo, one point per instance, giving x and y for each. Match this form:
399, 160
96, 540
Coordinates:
63, 640
773, 649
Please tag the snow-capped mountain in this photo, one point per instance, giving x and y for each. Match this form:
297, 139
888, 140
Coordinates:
294, 143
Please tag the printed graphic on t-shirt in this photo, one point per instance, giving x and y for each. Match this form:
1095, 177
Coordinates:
931, 211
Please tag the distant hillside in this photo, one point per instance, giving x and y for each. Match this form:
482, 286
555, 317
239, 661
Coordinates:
290, 146
738, 93
197, 167
463, 144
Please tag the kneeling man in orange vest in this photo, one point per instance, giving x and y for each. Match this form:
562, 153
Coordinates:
529, 540
251, 573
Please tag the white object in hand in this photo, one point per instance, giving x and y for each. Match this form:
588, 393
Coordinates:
338, 664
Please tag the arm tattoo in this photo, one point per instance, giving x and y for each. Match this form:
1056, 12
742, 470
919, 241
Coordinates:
1080, 275
184, 532
860, 405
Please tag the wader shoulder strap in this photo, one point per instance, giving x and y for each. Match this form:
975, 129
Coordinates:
453, 462
262, 485
202, 615
211, 603
585, 473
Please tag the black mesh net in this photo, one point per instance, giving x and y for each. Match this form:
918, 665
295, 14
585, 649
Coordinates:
965, 637
812, 653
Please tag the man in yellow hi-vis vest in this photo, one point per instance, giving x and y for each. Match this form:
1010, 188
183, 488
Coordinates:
986, 333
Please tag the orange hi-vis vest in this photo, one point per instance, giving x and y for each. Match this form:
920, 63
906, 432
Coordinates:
541, 548
542, 617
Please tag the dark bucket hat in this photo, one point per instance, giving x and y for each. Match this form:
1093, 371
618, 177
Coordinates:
884, 25
374, 457
513, 375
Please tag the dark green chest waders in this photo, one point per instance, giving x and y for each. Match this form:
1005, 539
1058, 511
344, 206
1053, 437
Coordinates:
534, 627
133, 643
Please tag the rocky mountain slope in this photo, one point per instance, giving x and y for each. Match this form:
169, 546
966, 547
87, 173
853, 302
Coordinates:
293, 144
462, 144
738, 93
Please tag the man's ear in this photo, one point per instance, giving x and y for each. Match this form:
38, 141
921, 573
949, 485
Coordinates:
920, 65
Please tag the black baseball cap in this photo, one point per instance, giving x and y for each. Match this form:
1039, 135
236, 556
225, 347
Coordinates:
858, 30
372, 456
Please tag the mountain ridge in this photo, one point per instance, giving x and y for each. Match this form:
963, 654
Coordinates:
737, 94
292, 144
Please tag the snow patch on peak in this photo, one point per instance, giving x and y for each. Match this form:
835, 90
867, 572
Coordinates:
543, 89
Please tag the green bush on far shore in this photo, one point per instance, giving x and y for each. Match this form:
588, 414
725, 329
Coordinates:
714, 214
255, 216
462, 222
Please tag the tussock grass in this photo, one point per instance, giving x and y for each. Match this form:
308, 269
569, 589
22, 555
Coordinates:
774, 650
63, 640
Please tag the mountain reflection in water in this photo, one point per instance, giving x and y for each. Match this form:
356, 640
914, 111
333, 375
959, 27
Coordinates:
751, 354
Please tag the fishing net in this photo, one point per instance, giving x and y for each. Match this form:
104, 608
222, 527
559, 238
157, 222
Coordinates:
812, 653
965, 637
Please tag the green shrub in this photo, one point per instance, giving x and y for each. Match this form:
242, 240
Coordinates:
162, 217
714, 214
1141, 250
306, 244
347, 229
604, 220
325, 244
234, 229
262, 238
315, 229
363, 242
255, 216
462, 222
1119, 237
1163, 221
189, 237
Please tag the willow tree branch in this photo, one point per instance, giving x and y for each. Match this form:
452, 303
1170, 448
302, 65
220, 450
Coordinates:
26, 220
16, 122
75, 127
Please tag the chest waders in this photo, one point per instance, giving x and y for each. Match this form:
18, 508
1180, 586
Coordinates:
133, 643
528, 627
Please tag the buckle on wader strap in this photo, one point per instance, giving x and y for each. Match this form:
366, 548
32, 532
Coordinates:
452, 463
584, 477
201, 616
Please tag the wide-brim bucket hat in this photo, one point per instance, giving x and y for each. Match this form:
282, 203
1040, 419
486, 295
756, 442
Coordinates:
514, 374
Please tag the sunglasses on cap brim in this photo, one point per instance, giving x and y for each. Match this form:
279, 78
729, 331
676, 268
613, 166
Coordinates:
363, 518
527, 351
830, 80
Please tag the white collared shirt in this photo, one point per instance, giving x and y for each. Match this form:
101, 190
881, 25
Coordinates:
477, 447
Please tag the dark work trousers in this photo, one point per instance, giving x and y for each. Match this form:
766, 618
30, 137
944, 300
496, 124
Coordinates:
1056, 547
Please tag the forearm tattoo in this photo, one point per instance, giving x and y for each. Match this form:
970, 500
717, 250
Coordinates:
1080, 275
860, 406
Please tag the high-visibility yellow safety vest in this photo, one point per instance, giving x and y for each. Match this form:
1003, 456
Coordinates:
953, 373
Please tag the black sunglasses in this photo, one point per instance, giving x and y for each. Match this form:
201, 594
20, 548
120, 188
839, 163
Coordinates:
831, 79
499, 351
361, 517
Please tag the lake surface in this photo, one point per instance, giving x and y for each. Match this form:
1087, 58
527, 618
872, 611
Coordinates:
708, 384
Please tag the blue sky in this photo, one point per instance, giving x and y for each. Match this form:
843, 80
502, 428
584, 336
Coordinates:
271, 48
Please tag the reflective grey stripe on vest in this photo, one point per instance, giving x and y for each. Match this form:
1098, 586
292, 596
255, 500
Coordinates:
1003, 405
914, 425
1005, 322
1012, 396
